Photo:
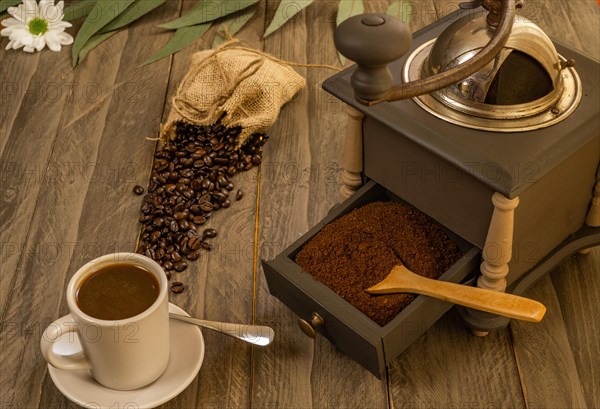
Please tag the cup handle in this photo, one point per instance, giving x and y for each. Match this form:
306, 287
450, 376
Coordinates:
71, 362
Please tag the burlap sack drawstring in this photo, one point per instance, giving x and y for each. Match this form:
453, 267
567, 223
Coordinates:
239, 85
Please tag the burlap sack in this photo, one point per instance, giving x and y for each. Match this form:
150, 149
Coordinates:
242, 86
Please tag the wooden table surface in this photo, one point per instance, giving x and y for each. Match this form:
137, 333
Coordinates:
73, 144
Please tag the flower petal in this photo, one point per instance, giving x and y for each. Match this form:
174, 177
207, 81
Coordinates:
39, 42
26, 39
53, 41
17, 44
51, 13
9, 45
11, 22
16, 32
28, 49
59, 24
65, 38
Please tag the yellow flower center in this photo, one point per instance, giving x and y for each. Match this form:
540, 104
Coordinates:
38, 26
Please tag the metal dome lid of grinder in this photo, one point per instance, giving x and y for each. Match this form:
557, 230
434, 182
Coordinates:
490, 70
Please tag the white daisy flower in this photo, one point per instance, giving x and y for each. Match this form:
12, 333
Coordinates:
33, 26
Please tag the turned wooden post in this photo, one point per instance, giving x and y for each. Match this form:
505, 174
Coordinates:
497, 250
593, 216
352, 161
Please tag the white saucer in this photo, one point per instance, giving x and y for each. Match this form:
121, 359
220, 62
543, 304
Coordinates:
187, 353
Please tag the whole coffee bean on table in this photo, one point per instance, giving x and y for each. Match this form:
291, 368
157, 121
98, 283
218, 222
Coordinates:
192, 176
177, 287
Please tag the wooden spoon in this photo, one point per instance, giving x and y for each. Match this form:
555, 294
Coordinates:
402, 280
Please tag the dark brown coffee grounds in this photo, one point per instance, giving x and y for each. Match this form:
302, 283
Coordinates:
359, 249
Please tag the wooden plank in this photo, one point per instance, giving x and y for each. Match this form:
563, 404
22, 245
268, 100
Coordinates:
568, 377
584, 17
88, 208
29, 123
299, 185
447, 367
577, 284
547, 383
219, 285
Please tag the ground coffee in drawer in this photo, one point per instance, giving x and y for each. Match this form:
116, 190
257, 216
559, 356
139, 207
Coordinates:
360, 248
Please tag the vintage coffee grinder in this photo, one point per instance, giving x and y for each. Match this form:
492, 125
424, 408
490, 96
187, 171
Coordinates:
488, 127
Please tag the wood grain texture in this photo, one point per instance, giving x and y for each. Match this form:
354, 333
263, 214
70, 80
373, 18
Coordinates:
558, 360
25, 148
219, 285
85, 206
447, 367
533, 345
65, 197
577, 283
299, 185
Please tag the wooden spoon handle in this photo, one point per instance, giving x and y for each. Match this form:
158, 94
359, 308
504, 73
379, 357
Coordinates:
508, 305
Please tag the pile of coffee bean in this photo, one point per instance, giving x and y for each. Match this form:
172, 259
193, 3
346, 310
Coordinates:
190, 179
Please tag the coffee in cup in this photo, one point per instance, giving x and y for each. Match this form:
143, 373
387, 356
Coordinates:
119, 310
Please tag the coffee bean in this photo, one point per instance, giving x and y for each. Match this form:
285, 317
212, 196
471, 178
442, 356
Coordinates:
194, 255
168, 274
209, 233
177, 287
222, 181
199, 220
189, 180
239, 194
138, 190
145, 218
206, 206
194, 243
195, 209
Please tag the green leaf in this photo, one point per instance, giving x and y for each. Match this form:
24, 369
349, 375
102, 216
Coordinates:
104, 11
5, 4
347, 9
396, 9
133, 12
233, 24
92, 43
285, 11
78, 10
208, 10
180, 39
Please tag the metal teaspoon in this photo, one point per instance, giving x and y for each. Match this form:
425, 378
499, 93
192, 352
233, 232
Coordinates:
254, 334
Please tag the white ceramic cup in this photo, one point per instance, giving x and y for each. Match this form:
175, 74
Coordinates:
121, 354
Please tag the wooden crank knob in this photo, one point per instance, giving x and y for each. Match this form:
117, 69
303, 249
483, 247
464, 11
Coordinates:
372, 40
310, 328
